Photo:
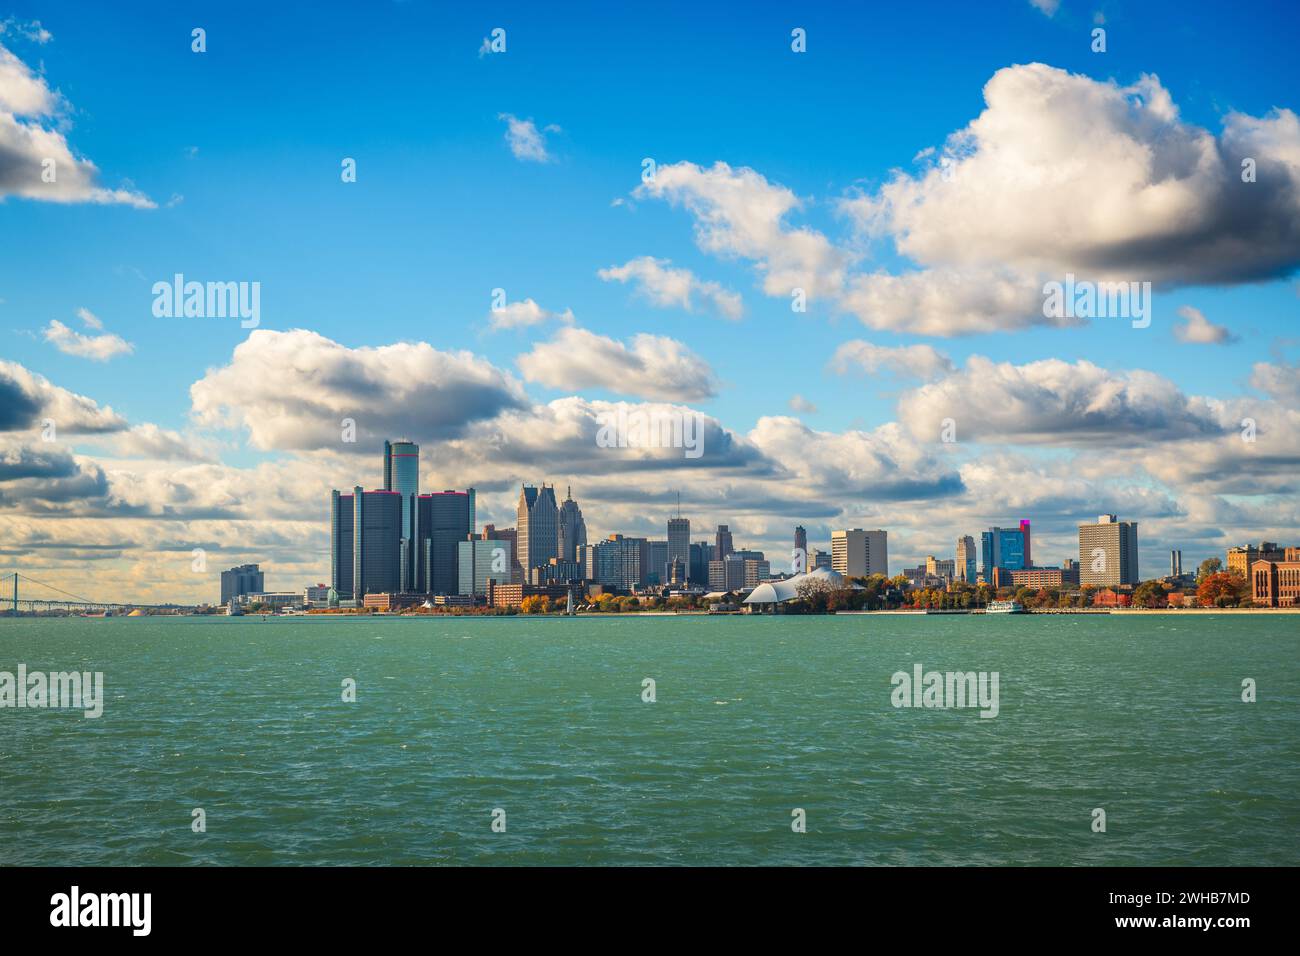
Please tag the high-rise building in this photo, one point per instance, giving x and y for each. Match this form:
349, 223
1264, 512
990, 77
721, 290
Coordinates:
402, 475
654, 564
722, 543
859, 554
1108, 552
966, 560
1175, 563
480, 560
377, 548
618, 561
573, 529
442, 522
729, 573
1024, 532
821, 559
587, 562
801, 549
701, 555
945, 570
538, 527
245, 579
679, 543
341, 513
1003, 548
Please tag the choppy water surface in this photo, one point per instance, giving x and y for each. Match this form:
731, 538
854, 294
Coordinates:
754, 717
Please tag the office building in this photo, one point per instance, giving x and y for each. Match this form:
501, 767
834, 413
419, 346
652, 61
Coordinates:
587, 562
513, 595
341, 511
966, 559
800, 560
754, 571
374, 540
442, 524
1052, 578
1024, 535
402, 475
728, 574
698, 569
618, 561
538, 526
1003, 548
245, 579
821, 559
679, 543
722, 543
573, 529
1108, 552
945, 571
858, 554
654, 563
554, 571
1175, 564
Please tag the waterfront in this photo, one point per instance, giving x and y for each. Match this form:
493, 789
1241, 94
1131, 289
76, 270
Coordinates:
544, 718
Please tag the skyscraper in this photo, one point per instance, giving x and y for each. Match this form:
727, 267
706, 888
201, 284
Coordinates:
538, 527
341, 514
701, 554
479, 560
573, 530
1024, 531
1175, 563
801, 547
679, 543
966, 560
618, 561
402, 475
1108, 552
376, 542
722, 543
1003, 548
858, 553
442, 522
245, 579
654, 563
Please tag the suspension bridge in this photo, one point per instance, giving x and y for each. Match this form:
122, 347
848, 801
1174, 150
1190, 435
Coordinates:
55, 599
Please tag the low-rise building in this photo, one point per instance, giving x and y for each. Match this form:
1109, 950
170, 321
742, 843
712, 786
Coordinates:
1242, 559
1276, 583
512, 595
1053, 578
273, 599
1108, 598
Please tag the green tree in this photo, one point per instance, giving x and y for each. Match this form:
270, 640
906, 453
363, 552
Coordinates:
1208, 566
1150, 594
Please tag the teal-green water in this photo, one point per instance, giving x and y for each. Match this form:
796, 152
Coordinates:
544, 718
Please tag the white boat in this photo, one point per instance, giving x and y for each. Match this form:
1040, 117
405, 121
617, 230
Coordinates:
1005, 607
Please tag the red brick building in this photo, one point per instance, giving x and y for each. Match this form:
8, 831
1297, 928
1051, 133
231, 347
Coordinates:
1108, 598
1276, 583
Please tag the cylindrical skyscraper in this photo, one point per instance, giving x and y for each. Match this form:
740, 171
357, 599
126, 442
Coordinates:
402, 474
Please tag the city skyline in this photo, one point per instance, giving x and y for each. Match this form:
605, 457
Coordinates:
495, 283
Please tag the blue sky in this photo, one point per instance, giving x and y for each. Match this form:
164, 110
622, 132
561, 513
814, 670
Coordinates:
240, 150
